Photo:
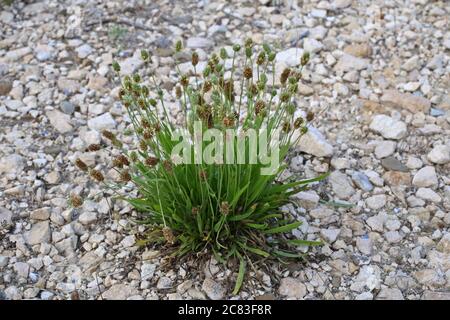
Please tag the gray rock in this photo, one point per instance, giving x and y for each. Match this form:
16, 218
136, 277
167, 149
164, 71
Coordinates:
147, 271
440, 154
349, 63
12, 164
164, 283
14, 55
341, 4
87, 218
362, 181
341, 185
425, 177
312, 45
289, 57
198, 42
102, 122
408, 101
376, 222
22, 269
393, 236
44, 52
444, 244
68, 86
364, 245
119, 292
321, 213
5, 216
83, 51
307, 199
385, 149
213, 289
376, 202
60, 121
390, 294
292, 288
428, 194
67, 107
40, 233
41, 213
313, 142
131, 65
388, 127
436, 295
330, 235
391, 163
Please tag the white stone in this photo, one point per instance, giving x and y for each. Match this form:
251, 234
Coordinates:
213, 289
292, 288
103, 122
388, 127
290, 57
341, 185
312, 45
87, 218
440, 154
385, 149
348, 62
428, 194
60, 121
425, 177
330, 235
313, 142
376, 202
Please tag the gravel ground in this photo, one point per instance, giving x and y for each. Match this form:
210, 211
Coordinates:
378, 80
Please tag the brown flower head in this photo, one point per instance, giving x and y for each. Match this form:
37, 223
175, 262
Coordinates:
125, 176
151, 161
108, 135
97, 175
298, 122
194, 58
260, 107
224, 208
248, 73
168, 235
93, 147
228, 121
310, 116
76, 201
81, 165
178, 92
285, 75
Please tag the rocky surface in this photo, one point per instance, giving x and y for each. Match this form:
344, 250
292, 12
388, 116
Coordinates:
378, 81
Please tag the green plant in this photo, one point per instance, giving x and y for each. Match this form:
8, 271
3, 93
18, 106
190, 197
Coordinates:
117, 33
230, 209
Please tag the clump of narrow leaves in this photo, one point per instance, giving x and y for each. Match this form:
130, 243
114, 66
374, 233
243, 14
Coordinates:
229, 209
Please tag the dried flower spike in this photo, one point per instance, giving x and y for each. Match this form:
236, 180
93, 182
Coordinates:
81, 165
97, 175
108, 135
76, 201
125, 176
93, 147
224, 208
151, 161
168, 235
248, 73
194, 58
310, 116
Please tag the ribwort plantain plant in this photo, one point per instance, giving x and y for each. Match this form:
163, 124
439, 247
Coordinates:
229, 208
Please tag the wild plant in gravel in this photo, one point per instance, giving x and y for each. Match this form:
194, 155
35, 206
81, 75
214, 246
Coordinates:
228, 207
